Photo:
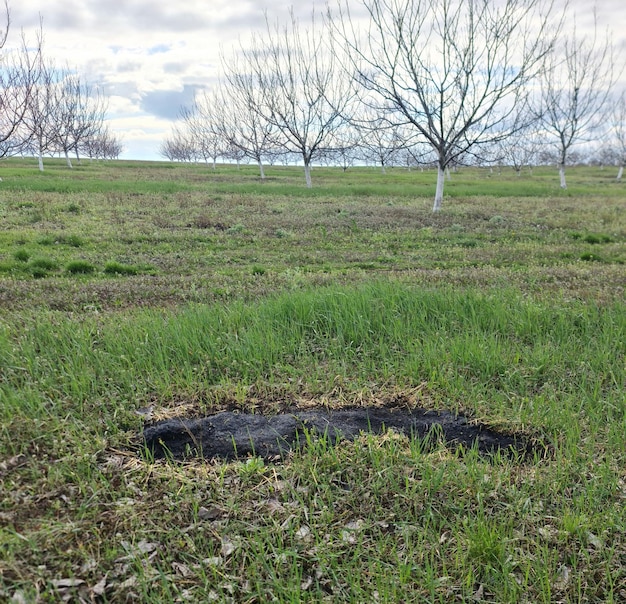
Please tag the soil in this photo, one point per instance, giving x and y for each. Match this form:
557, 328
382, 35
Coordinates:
232, 435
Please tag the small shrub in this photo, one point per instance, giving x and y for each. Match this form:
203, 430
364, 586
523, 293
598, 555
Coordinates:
258, 270
21, 256
46, 240
35, 217
117, 268
593, 238
589, 257
71, 240
73, 208
80, 267
596, 238
237, 228
39, 273
205, 222
45, 264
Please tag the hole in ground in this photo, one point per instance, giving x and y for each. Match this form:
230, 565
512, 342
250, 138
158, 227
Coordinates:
232, 435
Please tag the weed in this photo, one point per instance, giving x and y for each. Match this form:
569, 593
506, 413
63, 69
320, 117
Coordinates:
79, 267
21, 255
44, 264
589, 257
117, 268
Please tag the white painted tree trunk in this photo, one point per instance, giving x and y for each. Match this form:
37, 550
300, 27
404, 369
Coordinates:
68, 160
562, 176
620, 173
307, 175
439, 192
40, 161
261, 170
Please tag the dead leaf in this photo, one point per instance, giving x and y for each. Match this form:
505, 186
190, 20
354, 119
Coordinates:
306, 584
228, 547
479, 593
183, 570
65, 583
135, 551
211, 513
214, 561
349, 533
594, 540
100, 587
11, 464
303, 532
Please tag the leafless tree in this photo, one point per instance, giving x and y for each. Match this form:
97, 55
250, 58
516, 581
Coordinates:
241, 125
344, 149
518, 151
80, 114
381, 138
619, 132
574, 93
102, 145
18, 77
302, 92
452, 70
40, 127
201, 128
179, 147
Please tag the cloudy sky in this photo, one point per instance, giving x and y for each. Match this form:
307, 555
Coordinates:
150, 56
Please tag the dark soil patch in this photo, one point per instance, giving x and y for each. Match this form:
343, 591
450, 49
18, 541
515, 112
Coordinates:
231, 435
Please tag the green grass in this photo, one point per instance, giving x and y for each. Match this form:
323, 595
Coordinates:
210, 290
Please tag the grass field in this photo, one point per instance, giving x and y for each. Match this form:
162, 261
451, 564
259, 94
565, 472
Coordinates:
127, 286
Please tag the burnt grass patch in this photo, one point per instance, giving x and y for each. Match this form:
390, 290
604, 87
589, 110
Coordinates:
232, 435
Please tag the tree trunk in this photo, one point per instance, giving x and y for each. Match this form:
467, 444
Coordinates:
562, 176
68, 160
40, 161
439, 193
261, 170
620, 173
307, 175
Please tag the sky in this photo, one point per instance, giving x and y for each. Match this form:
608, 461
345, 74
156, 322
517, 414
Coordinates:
152, 56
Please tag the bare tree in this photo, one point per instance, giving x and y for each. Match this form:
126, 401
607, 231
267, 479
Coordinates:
381, 139
18, 77
344, 149
179, 147
80, 114
453, 71
40, 124
518, 151
241, 125
572, 102
302, 92
201, 128
619, 132
103, 145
